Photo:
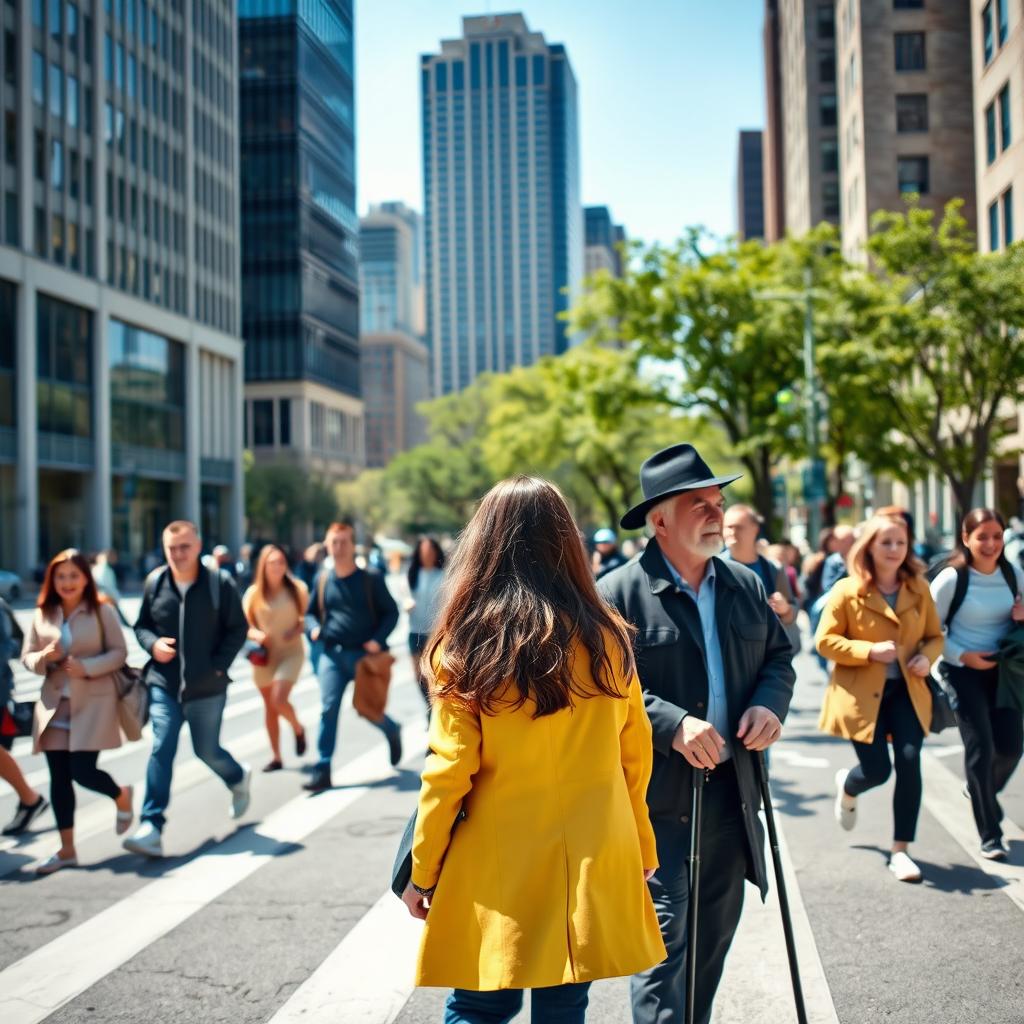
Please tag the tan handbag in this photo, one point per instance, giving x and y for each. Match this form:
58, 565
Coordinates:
132, 694
373, 678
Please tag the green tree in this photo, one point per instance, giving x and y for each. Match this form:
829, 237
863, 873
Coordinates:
701, 311
943, 342
281, 498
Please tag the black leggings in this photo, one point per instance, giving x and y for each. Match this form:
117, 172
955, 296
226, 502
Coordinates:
896, 718
66, 767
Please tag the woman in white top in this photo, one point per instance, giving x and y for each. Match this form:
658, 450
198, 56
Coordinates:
993, 737
425, 576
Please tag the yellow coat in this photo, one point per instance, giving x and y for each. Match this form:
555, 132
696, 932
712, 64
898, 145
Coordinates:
542, 883
855, 617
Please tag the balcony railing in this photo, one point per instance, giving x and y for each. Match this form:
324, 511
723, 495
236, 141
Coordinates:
129, 459
65, 451
217, 471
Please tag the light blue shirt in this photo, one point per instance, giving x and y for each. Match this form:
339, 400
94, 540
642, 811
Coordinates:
718, 708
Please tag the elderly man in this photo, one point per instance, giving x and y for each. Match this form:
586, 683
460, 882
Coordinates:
714, 663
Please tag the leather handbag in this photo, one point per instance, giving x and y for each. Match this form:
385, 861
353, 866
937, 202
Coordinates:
258, 655
16, 718
132, 694
373, 678
943, 704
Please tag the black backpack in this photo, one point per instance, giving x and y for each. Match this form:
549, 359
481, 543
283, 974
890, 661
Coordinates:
963, 579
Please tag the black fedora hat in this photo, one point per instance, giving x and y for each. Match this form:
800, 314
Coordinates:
668, 472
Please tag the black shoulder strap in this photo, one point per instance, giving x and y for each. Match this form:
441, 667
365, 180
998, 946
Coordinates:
151, 581
1009, 575
963, 578
766, 570
368, 586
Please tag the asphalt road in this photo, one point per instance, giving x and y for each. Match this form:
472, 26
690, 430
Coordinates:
285, 916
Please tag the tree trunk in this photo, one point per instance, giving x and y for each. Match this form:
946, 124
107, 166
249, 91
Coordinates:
764, 501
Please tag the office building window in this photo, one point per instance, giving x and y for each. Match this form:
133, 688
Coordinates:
827, 107
912, 174
263, 422
911, 112
827, 67
993, 226
829, 156
55, 18
910, 51
1005, 128
987, 38
38, 78
72, 101
1004, 25
64, 365
56, 91
830, 199
990, 133
907, 5
826, 21
56, 165
284, 421
1008, 217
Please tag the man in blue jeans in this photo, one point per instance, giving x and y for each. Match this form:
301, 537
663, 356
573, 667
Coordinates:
351, 613
191, 624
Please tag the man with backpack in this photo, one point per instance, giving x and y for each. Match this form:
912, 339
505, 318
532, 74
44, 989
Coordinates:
351, 614
191, 625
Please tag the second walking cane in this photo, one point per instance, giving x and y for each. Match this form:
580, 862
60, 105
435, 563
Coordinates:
780, 881
699, 776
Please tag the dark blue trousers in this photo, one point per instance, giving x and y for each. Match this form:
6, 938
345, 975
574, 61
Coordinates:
562, 1004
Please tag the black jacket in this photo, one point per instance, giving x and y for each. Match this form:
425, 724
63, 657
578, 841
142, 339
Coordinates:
356, 608
756, 654
207, 639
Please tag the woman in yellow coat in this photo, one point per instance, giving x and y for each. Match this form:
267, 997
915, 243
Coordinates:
882, 632
533, 843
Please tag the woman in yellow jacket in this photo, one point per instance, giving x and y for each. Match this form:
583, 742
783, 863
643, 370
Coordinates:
882, 632
533, 844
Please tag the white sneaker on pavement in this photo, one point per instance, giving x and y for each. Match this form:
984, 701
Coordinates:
904, 868
145, 840
240, 793
846, 805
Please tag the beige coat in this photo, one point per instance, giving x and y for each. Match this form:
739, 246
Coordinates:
856, 617
94, 718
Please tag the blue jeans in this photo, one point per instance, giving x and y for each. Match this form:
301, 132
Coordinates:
336, 670
561, 1004
168, 716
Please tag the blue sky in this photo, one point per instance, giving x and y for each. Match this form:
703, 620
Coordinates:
665, 86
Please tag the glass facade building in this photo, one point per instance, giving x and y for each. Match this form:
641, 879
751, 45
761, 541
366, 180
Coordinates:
750, 186
119, 232
503, 221
394, 356
604, 239
300, 232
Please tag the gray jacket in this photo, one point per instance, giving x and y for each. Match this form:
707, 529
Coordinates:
671, 663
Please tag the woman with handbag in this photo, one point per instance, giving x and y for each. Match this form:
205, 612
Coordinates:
76, 642
880, 629
541, 747
978, 598
275, 606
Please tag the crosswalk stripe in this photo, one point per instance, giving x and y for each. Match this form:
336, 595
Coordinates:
943, 796
368, 978
30, 989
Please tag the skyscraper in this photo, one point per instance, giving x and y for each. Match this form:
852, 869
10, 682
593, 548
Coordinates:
772, 143
603, 238
395, 364
809, 112
749, 186
503, 222
906, 106
300, 235
120, 357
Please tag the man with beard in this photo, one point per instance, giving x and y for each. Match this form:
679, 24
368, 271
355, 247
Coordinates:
715, 666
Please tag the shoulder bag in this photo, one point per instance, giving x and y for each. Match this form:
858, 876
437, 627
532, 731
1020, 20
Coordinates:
132, 694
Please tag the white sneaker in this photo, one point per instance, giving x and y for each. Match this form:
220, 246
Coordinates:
904, 868
846, 805
146, 840
240, 794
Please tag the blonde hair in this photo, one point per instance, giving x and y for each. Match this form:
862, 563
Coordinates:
862, 565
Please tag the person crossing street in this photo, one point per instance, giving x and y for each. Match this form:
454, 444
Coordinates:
191, 625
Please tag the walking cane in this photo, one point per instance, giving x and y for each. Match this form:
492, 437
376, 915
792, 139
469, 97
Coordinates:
787, 921
699, 776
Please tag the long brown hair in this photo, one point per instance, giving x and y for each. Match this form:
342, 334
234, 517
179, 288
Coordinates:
48, 596
862, 565
520, 592
259, 581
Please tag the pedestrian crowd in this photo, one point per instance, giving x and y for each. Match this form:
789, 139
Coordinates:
599, 714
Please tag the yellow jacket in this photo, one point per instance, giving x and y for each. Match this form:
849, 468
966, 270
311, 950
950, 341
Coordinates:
542, 883
855, 617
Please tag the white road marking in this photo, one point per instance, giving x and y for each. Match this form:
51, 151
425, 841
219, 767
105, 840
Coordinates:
946, 750
796, 759
368, 978
943, 796
30, 989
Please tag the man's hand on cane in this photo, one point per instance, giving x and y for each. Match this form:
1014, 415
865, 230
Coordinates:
699, 742
759, 728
